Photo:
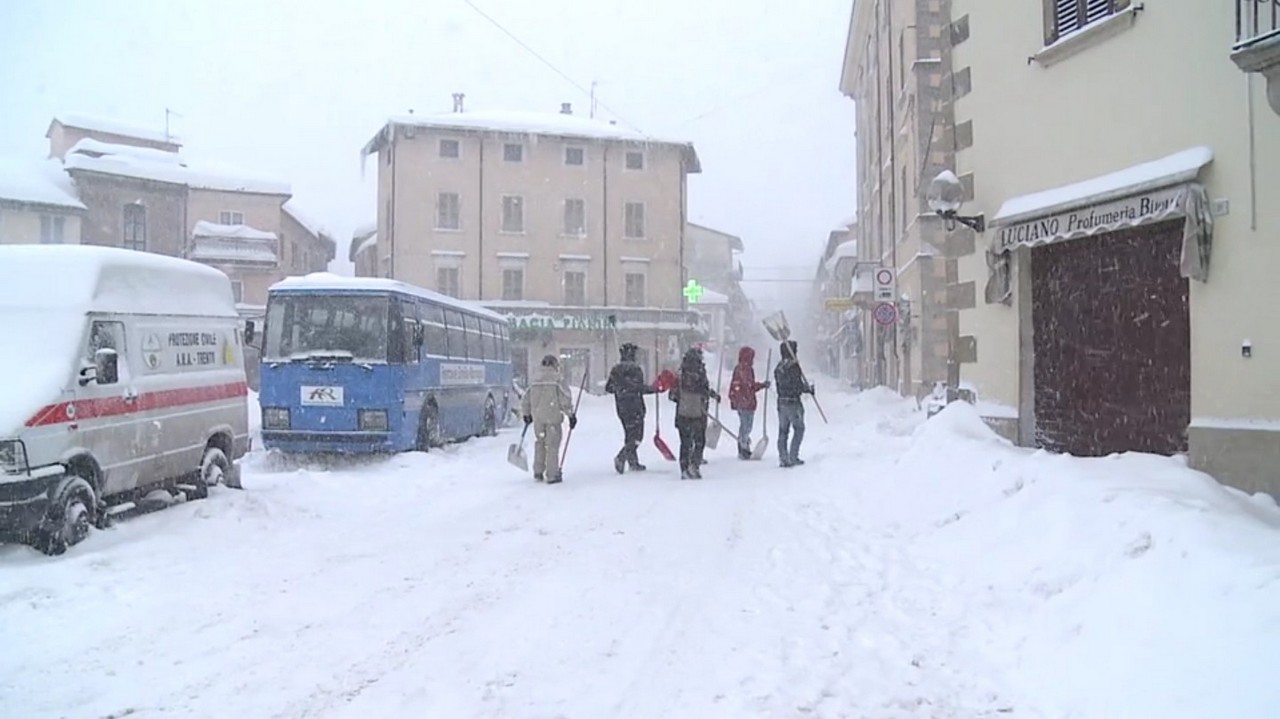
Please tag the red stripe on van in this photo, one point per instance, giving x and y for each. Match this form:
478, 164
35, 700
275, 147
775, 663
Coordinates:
114, 406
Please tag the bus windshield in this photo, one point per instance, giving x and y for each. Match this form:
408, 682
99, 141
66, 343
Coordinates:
342, 327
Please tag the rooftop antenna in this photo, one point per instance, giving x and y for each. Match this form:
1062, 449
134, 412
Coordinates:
592, 111
167, 114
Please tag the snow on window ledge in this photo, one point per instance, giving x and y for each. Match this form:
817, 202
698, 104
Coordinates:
1086, 37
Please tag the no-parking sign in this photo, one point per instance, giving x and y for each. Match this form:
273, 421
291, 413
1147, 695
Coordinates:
885, 314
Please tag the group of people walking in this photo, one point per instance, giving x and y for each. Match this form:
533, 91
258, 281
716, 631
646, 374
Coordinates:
547, 403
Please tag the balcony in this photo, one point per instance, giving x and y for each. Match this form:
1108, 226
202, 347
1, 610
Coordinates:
1257, 47
240, 245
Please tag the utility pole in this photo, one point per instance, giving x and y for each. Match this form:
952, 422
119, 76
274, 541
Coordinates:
167, 114
592, 111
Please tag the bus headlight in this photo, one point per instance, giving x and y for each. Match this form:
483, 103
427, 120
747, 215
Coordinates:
275, 418
372, 420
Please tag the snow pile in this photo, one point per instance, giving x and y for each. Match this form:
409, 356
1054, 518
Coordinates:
38, 182
910, 569
205, 228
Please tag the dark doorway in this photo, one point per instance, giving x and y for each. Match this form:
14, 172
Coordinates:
1112, 343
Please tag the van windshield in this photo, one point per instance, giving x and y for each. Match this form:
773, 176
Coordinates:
342, 327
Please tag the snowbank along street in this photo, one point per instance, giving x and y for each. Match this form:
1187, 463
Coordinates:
909, 569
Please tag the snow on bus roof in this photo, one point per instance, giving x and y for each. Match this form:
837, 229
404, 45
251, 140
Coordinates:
112, 280
327, 281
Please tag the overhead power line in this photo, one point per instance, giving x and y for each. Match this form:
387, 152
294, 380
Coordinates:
548, 63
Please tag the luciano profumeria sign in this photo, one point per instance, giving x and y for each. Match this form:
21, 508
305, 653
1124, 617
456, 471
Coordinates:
1127, 212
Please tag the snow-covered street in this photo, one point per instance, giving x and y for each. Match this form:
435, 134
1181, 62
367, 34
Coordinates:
909, 569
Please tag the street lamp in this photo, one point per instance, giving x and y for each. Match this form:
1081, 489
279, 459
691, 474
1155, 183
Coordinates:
945, 196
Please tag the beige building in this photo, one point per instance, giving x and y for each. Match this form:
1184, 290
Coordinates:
363, 251
572, 227
1130, 256
38, 204
897, 69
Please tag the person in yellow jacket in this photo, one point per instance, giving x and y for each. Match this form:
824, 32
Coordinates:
545, 405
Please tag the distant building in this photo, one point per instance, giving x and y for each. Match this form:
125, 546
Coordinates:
363, 251
711, 257
572, 227
38, 204
840, 305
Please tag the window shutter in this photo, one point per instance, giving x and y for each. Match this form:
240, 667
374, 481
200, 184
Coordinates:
1050, 21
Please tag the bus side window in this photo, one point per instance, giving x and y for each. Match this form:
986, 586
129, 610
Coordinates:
457, 334
436, 339
475, 342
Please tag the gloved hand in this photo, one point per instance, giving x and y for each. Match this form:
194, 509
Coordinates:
811, 391
767, 384
573, 421
528, 419
715, 395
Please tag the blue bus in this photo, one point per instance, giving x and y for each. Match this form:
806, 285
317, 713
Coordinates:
370, 365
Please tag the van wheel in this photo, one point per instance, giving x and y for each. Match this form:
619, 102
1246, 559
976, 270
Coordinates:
490, 428
214, 467
69, 519
429, 429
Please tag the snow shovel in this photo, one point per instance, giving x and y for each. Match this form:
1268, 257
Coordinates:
515, 453
713, 427
577, 403
662, 384
763, 444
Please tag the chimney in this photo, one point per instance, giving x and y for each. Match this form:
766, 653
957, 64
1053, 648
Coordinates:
566, 108
457, 101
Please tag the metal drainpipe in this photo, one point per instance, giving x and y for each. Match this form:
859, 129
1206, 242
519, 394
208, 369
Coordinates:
480, 226
391, 221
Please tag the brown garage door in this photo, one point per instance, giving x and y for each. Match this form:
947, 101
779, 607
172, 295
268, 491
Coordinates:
1112, 343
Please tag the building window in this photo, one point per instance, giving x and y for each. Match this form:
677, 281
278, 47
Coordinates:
575, 156
635, 160
449, 281
1062, 17
450, 149
513, 152
51, 228
634, 289
575, 288
513, 284
512, 213
237, 290
295, 255
135, 227
575, 217
230, 217
633, 226
448, 211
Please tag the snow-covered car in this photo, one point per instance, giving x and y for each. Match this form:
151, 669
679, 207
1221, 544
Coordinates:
121, 373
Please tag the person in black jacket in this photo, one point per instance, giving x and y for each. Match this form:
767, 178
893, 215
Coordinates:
791, 385
628, 386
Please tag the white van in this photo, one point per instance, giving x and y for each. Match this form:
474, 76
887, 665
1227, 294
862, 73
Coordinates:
121, 373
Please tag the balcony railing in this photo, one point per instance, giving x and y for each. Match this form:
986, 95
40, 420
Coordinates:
1256, 20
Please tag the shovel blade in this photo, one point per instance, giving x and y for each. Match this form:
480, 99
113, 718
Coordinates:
515, 456
663, 449
713, 434
777, 327
758, 451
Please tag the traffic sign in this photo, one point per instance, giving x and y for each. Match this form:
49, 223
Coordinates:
886, 284
839, 304
885, 314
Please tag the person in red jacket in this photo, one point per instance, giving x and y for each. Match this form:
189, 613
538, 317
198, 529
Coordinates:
742, 398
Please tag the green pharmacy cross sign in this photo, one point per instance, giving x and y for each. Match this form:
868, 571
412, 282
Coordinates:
693, 291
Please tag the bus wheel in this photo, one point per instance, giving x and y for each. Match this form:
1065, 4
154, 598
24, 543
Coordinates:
429, 428
490, 419
69, 519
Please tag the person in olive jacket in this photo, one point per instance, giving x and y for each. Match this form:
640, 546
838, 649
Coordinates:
628, 386
545, 405
791, 384
692, 395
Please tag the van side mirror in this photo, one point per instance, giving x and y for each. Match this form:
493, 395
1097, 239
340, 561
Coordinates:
106, 364
250, 331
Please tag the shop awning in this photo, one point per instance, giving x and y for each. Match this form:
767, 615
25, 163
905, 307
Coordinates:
1151, 192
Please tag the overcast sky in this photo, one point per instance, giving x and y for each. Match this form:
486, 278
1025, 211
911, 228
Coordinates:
294, 89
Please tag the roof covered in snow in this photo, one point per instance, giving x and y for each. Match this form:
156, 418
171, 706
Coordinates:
37, 182
113, 127
144, 163
308, 222
1181, 166
711, 297
735, 242
847, 250
547, 124
329, 282
243, 232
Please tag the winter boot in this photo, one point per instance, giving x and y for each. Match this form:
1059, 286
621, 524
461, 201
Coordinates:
785, 462
620, 462
695, 472
556, 478
636, 466
744, 453
796, 461
686, 474
537, 476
